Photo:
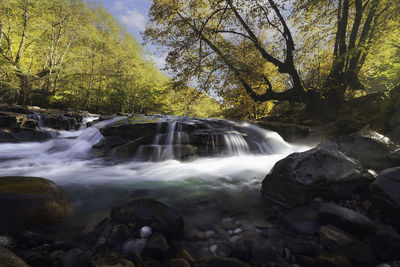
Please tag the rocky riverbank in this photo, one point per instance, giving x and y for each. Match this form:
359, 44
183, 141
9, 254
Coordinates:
337, 204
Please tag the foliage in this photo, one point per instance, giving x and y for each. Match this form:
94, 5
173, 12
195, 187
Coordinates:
73, 53
248, 52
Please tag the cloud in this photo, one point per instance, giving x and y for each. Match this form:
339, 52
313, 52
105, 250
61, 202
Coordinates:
159, 61
134, 19
119, 5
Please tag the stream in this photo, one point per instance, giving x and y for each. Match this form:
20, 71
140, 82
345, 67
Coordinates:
205, 190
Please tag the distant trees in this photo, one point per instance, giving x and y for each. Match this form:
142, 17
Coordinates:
73, 53
270, 48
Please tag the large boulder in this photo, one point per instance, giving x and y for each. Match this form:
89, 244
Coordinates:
320, 172
375, 151
149, 212
345, 218
385, 191
30, 201
341, 242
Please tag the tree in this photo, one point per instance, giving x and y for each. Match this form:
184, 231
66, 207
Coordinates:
206, 37
220, 44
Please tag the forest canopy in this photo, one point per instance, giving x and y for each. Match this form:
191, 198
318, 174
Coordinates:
314, 52
74, 53
247, 55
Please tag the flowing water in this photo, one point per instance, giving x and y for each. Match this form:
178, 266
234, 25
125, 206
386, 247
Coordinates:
202, 189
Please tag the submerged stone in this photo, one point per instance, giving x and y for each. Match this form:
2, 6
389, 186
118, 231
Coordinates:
149, 212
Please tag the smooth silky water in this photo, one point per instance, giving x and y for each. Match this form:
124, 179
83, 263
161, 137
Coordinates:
204, 190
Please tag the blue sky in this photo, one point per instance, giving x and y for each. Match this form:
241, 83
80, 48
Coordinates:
133, 15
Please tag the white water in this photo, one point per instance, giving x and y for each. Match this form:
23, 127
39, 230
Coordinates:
95, 184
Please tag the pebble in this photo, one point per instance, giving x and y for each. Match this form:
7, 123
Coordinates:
237, 231
261, 224
213, 249
134, 246
145, 232
235, 238
210, 234
5, 241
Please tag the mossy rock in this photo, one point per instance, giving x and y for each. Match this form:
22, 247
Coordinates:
30, 201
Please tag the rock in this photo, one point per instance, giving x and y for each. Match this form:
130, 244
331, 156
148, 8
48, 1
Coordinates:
61, 120
30, 240
119, 234
156, 247
300, 245
345, 218
29, 123
302, 220
390, 264
31, 135
145, 232
112, 260
184, 254
30, 201
294, 133
129, 149
385, 242
6, 137
374, 151
339, 241
220, 262
133, 247
179, 262
15, 109
332, 260
304, 261
320, 172
384, 192
6, 241
263, 251
149, 212
77, 257
9, 259
7, 120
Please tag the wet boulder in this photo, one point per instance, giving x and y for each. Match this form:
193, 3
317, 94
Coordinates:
6, 137
331, 213
149, 212
384, 191
7, 120
375, 151
30, 135
15, 109
61, 121
338, 241
130, 149
320, 172
30, 201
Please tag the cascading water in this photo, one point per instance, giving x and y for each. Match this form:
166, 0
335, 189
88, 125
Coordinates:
224, 162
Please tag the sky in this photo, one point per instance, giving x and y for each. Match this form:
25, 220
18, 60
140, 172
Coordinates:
133, 15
